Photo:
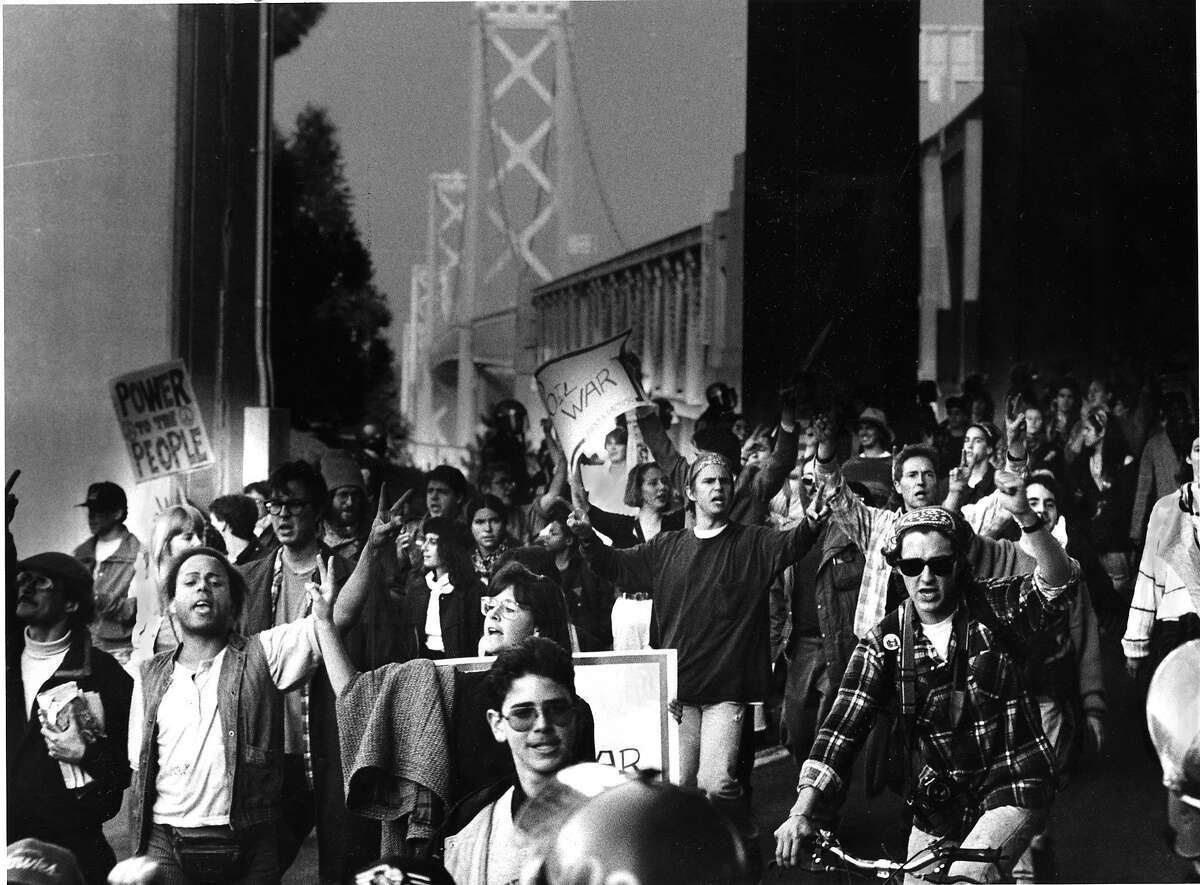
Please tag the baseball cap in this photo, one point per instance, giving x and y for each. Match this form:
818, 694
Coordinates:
33, 862
106, 496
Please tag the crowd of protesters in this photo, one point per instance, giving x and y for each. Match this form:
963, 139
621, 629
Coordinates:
936, 591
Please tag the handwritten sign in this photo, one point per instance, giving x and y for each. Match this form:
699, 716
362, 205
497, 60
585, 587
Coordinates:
160, 420
586, 387
628, 692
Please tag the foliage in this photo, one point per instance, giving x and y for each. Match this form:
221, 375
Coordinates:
331, 365
292, 21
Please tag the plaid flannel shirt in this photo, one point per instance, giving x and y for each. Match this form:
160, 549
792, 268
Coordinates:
998, 754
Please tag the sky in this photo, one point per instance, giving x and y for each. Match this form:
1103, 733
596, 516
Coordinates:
662, 87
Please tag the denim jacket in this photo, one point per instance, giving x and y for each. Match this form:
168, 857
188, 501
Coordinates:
251, 713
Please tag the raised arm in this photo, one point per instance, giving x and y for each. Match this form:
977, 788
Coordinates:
774, 473
613, 525
629, 568
674, 465
376, 563
558, 482
337, 661
1053, 564
987, 516
854, 517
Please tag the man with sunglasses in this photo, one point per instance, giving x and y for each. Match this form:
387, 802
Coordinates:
955, 654
531, 709
914, 475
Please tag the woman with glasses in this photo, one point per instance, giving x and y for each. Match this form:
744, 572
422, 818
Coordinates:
532, 714
488, 519
441, 607
526, 606
176, 529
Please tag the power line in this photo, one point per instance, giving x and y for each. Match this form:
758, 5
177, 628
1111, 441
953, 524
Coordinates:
587, 138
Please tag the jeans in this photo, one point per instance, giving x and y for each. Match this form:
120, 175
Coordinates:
710, 738
631, 624
1052, 720
807, 697
259, 866
1008, 828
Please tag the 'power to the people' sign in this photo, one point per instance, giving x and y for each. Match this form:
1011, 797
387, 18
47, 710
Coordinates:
160, 420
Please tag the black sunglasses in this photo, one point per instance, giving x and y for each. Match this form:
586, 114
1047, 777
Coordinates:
939, 565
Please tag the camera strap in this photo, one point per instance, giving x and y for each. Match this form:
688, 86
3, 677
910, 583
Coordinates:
908, 669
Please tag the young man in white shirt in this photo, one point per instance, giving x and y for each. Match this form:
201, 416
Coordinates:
206, 725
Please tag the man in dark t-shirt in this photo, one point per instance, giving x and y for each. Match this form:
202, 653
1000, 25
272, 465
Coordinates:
710, 605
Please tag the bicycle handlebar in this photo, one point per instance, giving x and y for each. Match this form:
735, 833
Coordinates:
933, 859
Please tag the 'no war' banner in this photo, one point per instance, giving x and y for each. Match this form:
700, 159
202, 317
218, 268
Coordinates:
160, 420
588, 386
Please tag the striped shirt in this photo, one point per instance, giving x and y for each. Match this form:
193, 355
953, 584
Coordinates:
1168, 580
997, 755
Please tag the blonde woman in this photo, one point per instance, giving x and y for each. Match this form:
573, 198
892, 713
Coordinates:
176, 529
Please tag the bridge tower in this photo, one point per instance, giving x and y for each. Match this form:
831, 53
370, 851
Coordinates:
431, 306
518, 195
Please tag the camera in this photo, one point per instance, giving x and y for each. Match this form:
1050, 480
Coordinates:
935, 804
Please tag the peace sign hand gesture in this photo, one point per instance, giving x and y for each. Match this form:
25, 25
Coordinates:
389, 521
325, 594
818, 508
1014, 426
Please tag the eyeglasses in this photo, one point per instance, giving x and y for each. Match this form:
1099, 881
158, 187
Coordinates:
34, 580
509, 608
559, 711
939, 565
294, 506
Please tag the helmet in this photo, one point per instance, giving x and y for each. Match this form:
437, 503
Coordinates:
372, 436
1173, 718
721, 396
509, 416
642, 833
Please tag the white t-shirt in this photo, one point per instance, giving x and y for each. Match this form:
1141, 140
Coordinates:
105, 549
939, 635
438, 587
709, 533
194, 786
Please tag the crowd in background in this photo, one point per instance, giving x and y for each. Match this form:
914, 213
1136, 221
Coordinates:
337, 575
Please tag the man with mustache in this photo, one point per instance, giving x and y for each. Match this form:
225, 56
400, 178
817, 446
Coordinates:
63, 783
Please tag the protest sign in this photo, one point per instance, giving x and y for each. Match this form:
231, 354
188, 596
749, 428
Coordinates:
628, 692
160, 420
586, 387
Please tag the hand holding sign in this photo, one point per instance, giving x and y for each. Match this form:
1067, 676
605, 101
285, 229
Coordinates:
587, 387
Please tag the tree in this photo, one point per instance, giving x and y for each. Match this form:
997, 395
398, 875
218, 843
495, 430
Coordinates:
331, 365
292, 22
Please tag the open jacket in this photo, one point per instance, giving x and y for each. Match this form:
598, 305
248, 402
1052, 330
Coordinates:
250, 707
459, 613
116, 609
38, 799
